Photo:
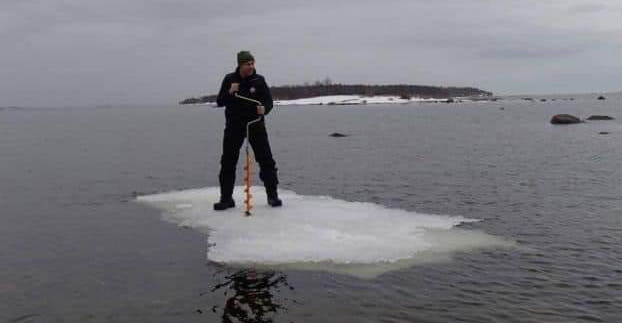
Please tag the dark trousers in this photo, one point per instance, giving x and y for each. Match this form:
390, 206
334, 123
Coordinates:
235, 132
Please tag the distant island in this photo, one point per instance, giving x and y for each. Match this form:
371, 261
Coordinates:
403, 92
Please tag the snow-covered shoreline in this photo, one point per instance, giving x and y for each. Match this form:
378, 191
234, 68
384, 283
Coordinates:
356, 100
353, 100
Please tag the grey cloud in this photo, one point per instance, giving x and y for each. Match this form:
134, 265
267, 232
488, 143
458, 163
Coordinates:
529, 53
588, 8
133, 51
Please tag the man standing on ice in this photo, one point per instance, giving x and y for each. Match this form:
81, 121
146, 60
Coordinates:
238, 112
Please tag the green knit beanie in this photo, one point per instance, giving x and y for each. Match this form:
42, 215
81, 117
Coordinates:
245, 56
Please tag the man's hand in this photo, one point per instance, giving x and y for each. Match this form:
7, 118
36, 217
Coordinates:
234, 88
261, 110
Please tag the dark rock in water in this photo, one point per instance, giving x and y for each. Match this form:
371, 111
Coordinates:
528, 99
450, 100
501, 108
564, 119
603, 133
598, 117
23, 318
338, 135
11, 108
542, 100
601, 97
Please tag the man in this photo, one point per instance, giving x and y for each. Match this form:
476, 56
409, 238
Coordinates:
238, 112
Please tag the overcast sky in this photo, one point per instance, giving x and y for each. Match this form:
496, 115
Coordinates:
74, 52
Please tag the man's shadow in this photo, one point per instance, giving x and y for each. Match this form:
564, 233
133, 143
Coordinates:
253, 298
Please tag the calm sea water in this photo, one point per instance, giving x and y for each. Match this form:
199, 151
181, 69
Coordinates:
74, 248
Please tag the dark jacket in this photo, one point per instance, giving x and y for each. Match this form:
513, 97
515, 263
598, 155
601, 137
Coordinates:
254, 86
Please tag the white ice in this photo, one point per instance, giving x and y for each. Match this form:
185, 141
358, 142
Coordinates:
318, 232
354, 99
350, 99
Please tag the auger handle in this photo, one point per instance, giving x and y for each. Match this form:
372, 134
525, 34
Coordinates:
237, 95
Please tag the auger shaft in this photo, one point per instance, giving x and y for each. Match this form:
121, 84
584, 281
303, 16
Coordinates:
247, 183
248, 164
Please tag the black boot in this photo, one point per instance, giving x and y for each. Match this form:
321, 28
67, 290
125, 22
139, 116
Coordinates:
273, 198
225, 203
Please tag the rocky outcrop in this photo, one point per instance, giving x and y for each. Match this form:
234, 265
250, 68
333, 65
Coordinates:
599, 117
564, 119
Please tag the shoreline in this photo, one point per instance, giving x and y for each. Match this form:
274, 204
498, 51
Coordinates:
365, 100
395, 99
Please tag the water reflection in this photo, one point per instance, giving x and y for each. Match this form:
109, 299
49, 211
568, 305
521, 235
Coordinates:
253, 298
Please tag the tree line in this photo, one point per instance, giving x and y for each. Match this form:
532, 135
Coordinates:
292, 92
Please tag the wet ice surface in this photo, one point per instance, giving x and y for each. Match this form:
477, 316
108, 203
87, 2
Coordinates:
74, 250
318, 232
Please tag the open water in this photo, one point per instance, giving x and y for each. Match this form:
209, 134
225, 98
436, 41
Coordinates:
76, 247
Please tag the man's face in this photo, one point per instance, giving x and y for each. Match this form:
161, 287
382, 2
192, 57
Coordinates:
247, 68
